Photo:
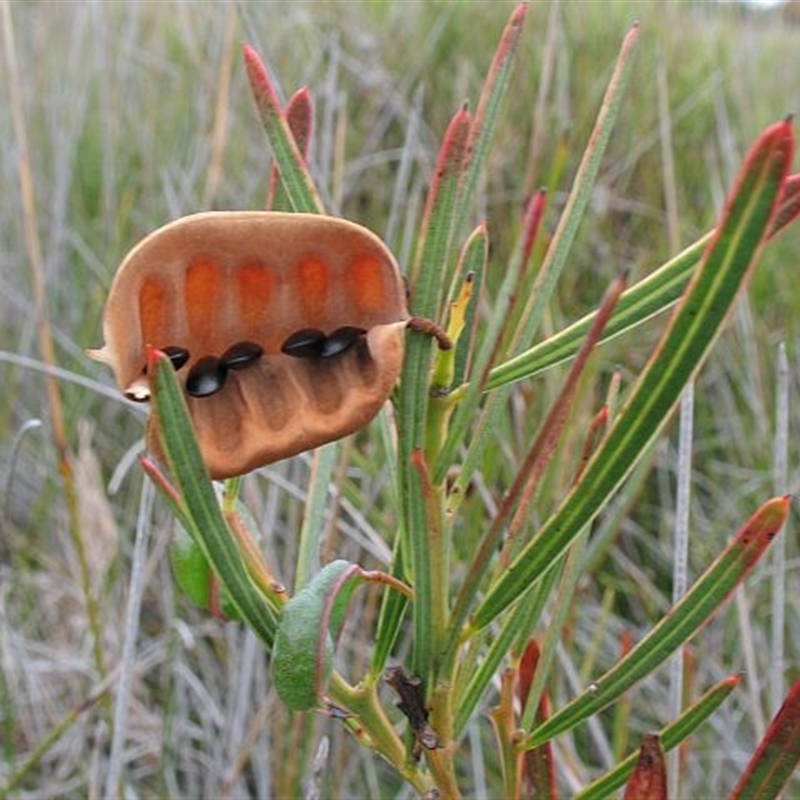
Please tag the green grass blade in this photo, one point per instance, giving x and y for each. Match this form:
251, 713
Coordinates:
706, 596
671, 736
177, 437
322, 468
694, 326
295, 177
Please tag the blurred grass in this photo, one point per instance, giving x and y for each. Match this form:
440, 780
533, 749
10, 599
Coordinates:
126, 131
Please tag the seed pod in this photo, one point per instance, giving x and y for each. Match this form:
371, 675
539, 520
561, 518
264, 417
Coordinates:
245, 285
241, 355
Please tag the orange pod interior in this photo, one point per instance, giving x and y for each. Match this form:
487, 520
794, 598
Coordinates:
286, 330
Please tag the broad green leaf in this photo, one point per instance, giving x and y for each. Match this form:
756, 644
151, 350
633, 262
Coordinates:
191, 569
194, 576
694, 326
302, 660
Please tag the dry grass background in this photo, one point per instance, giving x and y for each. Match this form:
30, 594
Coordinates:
138, 112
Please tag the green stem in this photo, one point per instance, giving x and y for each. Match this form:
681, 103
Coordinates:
373, 728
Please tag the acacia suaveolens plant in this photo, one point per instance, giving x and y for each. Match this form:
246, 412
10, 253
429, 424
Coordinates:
462, 634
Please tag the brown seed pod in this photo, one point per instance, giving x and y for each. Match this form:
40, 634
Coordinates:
229, 290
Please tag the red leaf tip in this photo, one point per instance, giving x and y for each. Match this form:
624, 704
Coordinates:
518, 16
153, 354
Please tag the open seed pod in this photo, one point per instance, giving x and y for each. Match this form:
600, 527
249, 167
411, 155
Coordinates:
286, 330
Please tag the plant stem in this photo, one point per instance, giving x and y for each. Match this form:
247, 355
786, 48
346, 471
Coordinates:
373, 728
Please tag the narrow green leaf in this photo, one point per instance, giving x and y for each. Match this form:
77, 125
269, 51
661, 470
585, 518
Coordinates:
518, 497
176, 436
299, 114
473, 260
778, 755
563, 605
789, 209
556, 257
294, 173
480, 136
671, 736
427, 284
688, 339
683, 621
649, 297
487, 112
470, 395
579, 197
513, 628
412, 415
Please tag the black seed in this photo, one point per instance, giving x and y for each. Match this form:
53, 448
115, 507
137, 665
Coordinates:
206, 377
138, 395
241, 355
177, 355
340, 340
305, 343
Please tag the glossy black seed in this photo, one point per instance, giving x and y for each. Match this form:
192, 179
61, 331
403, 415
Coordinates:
305, 343
241, 355
340, 340
177, 355
206, 377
